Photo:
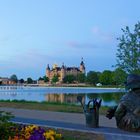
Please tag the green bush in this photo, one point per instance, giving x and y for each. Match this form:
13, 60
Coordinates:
5, 125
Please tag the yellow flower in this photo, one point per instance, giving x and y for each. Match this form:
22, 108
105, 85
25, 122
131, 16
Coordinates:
58, 136
52, 138
27, 135
47, 135
52, 132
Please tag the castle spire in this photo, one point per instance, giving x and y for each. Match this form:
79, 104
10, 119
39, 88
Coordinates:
82, 62
82, 66
63, 65
48, 67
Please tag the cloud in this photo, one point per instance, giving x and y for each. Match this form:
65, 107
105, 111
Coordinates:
78, 45
102, 35
95, 30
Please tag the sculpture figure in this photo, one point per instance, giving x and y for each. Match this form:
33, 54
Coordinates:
127, 113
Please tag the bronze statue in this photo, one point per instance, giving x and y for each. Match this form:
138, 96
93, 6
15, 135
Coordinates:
127, 113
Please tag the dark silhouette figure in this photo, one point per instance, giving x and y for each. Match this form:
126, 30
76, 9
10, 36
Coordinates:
127, 113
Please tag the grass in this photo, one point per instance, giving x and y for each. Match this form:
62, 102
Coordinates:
76, 135
49, 106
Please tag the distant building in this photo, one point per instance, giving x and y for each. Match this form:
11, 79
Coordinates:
40, 82
62, 71
6, 81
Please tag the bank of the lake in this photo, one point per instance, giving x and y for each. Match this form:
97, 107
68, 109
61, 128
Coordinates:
46, 106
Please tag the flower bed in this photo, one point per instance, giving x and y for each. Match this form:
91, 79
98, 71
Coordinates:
33, 132
12, 131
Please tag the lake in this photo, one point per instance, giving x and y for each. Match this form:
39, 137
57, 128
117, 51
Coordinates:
109, 96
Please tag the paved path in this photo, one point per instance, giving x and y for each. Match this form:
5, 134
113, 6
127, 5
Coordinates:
75, 118
71, 121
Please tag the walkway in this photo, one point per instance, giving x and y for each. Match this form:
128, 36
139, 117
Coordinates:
71, 121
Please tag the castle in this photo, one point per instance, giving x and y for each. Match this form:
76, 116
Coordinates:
63, 71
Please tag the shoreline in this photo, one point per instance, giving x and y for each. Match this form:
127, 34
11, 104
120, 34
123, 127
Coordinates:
65, 90
45, 86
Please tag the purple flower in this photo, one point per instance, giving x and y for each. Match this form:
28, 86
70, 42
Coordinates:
37, 137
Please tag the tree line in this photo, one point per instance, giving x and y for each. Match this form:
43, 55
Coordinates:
29, 80
107, 77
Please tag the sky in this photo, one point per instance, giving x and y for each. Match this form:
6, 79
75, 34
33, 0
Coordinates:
34, 33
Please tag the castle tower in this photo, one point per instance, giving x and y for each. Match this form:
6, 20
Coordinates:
82, 66
62, 72
48, 71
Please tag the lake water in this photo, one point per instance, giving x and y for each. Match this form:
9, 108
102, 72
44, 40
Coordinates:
110, 97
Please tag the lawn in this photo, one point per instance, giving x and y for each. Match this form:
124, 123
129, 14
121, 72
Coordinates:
76, 135
59, 107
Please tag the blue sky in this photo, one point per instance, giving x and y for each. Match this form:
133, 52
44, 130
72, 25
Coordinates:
34, 33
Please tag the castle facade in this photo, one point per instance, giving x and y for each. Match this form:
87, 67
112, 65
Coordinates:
63, 71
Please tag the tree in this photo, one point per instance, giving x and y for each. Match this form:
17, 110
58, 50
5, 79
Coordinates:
55, 79
29, 80
119, 76
40, 78
14, 78
21, 81
46, 79
81, 78
106, 77
92, 77
69, 79
128, 52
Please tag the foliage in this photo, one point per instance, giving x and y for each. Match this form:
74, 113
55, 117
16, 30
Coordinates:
46, 79
29, 80
92, 77
106, 77
119, 76
21, 81
5, 125
81, 78
69, 79
128, 53
40, 78
55, 79
5, 130
5, 117
14, 78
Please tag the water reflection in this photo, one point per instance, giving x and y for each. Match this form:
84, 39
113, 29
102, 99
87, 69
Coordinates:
64, 98
67, 96
108, 99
